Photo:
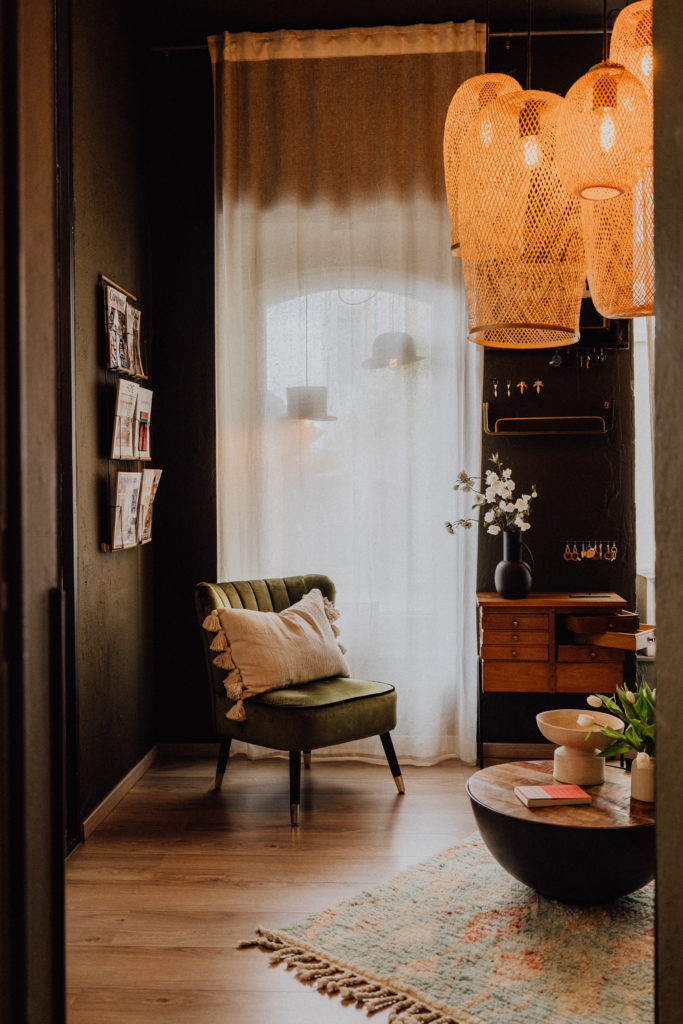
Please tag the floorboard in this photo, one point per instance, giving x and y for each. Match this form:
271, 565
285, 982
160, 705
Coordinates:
162, 892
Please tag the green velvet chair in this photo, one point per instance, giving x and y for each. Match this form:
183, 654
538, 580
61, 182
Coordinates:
297, 718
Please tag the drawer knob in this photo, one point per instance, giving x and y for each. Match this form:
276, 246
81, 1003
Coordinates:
593, 655
515, 623
514, 654
515, 638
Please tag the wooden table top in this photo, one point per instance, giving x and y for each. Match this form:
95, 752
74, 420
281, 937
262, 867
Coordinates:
560, 601
611, 805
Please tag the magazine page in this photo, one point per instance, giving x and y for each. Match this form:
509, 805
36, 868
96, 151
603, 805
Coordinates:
117, 333
150, 482
143, 415
125, 511
134, 348
124, 436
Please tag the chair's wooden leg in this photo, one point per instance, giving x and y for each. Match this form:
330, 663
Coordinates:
393, 762
307, 758
223, 755
294, 785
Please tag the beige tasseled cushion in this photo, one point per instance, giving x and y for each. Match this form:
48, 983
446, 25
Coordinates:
264, 651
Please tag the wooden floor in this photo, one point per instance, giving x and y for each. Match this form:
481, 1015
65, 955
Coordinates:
162, 892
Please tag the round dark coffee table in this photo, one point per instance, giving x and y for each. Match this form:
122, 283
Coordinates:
583, 854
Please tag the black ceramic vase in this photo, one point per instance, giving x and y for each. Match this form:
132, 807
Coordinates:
512, 578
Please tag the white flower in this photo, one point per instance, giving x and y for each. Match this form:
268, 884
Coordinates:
490, 516
594, 701
493, 529
478, 500
507, 473
643, 759
507, 506
630, 697
586, 721
490, 494
521, 523
522, 503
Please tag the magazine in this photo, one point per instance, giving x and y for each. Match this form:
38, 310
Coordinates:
117, 334
124, 437
150, 482
125, 510
143, 413
133, 330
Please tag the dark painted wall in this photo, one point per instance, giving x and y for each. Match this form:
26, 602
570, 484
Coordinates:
115, 591
585, 484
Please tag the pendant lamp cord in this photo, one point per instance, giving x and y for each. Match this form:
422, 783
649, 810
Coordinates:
604, 31
487, 62
528, 45
306, 315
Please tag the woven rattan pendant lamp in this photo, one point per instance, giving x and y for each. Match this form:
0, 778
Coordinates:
619, 233
521, 239
468, 101
602, 133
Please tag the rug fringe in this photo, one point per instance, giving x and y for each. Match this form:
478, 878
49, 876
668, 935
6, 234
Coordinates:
342, 980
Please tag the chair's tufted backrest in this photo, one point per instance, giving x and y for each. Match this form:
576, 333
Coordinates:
268, 595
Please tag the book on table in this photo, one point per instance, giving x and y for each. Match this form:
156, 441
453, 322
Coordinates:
556, 795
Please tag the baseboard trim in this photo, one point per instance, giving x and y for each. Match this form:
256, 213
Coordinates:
117, 794
186, 751
519, 751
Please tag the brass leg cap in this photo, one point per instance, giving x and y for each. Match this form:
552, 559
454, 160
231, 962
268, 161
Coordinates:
294, 814
218, 782
398, 779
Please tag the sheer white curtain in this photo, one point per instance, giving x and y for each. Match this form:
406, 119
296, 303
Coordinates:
332, 229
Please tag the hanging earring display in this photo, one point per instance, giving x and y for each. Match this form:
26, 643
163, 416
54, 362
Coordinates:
590, 551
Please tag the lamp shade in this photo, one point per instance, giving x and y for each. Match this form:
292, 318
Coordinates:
468, 101
522, 246
392, 349
619, 239
631, 43
619, 233
602, 133
308, 403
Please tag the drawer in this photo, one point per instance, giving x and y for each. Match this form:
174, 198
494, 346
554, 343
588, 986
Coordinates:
516, 677
514, 620
518, 636
622, 622
511, 652
599, 678
621, 641
576, 652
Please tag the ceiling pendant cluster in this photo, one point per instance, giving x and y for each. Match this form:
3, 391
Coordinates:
544, 192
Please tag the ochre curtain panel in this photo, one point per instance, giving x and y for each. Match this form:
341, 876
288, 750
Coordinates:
331, 231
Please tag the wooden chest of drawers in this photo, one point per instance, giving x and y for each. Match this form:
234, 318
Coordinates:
527, 646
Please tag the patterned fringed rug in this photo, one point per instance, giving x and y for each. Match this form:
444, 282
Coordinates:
456, 940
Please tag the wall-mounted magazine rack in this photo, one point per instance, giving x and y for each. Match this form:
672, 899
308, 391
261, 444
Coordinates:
128, 488
581, 423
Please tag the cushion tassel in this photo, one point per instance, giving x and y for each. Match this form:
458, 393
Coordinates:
212, 623
219, 642
342, 648
331, 612
335, 628
234, 689
237, 712
224, 660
